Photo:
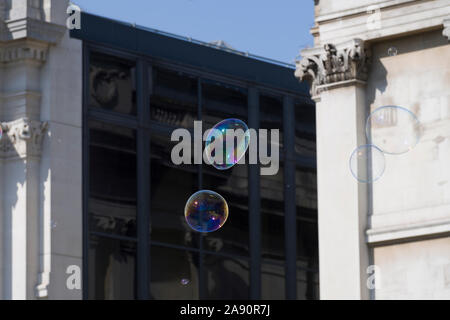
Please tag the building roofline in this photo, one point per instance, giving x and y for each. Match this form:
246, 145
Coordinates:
192, 52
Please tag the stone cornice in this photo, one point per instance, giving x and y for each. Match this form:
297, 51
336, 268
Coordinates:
333, 63
23, 50
22, 138
32, 29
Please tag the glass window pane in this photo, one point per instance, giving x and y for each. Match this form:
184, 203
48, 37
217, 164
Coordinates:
272, 282
174, 98
174, 274
112, 269
171, 186
232, 185
222, 101
226, 278
307, 285
112, 179
271, 117
112, 83
306, 211
305, 130
272, 216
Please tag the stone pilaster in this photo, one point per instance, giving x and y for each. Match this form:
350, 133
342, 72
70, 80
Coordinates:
337, 75
26, 35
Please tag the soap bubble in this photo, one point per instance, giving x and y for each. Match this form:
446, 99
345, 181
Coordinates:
184, 281
54, 224
393, 129
367, 163
1, 132
206, 211
220, 147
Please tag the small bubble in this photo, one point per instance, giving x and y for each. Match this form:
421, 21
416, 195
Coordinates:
184, 281
54, 224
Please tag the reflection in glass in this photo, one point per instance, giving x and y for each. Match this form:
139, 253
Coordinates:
271, 117
232, 185
112, 179
112, 269
226, 278
272, 281
174, 274
171, 187
272, 216
112, 84
305, 130
221, 101
306, 205
174, 98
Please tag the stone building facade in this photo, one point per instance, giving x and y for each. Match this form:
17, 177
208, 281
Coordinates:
369, 54
40, 108
400, 223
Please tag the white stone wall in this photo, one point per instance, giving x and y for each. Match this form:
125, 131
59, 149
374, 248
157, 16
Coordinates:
390, 223
40, 151
412, 200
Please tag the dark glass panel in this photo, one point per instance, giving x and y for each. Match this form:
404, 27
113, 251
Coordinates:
112, 178
232, 184
174, 98
174, 274
112, 83
272, 216
306, 210
307, 285
305, 130
272, 281
171, 186
112, 269
226, 278
222, 101
271, 117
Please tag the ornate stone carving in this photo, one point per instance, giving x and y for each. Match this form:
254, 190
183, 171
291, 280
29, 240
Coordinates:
332, 64
22, 138
446, 31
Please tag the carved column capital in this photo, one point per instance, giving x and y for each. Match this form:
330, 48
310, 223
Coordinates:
333, 64
22, 138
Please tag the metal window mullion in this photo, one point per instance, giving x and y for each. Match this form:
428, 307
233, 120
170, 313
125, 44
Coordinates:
85, 173
143, 182
254, 203
290, 222
201, 277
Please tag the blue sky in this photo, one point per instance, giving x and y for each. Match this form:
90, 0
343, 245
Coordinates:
269, 28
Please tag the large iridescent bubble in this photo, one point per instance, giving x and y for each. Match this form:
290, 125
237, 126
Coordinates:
226, 143
393, 129
206, 211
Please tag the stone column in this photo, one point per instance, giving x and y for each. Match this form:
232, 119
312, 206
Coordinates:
337, 75
26, 38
